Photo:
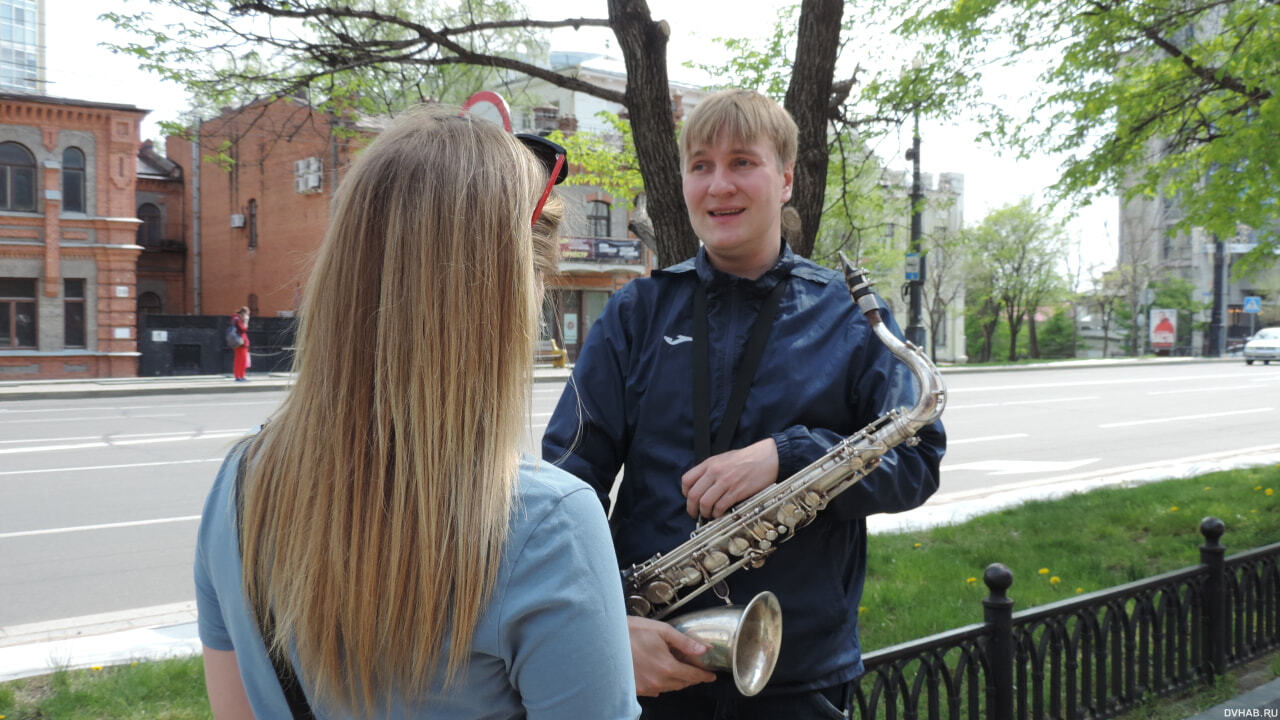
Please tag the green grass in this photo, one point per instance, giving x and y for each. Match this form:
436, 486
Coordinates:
922, 583
918, 584
164, 690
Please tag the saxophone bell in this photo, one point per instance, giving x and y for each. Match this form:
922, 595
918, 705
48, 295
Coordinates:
743, 640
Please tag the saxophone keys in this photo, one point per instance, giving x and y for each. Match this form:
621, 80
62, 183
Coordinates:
714, 561
690, 576
738, 546
659, 592
638, 606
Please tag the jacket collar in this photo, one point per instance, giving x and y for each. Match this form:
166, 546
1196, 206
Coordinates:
788, 264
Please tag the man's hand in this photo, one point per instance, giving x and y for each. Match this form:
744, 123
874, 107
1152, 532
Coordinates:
659, 655
721, 481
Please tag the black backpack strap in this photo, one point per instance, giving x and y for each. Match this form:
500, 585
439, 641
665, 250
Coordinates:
299, 708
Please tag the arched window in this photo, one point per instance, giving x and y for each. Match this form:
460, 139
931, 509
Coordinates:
598, 219
72, 180
150, 230
17, 178
150, 303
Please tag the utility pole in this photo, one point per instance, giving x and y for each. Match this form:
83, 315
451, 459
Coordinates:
1216, 345
915, 258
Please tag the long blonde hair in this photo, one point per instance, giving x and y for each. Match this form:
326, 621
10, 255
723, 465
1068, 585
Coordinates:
376, 502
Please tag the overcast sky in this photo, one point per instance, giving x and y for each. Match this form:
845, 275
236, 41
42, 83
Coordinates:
78, 67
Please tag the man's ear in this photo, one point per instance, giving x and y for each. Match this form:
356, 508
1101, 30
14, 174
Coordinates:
788, 175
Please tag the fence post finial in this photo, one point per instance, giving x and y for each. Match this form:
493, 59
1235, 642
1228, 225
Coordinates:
1214, 627
998, 615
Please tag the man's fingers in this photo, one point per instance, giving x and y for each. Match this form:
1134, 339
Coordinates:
677, 640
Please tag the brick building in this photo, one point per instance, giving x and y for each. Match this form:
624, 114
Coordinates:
68, 256
255, 205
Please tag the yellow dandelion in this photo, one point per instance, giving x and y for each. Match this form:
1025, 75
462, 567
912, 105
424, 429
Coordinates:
1044, 571
861, 609
1206, 487
96, 668
1055, 580
916, 545
1257, 487
1079, 590
1270, 491
971, 580
133, 664
1253, 511
1173, 509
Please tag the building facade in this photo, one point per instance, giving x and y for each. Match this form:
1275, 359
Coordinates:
254, 206
1151, 249
68, 252
22, 56
942, 219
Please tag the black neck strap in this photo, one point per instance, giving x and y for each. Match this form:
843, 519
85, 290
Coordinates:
703, 447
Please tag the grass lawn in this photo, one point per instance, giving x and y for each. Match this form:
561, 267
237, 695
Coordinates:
918, 584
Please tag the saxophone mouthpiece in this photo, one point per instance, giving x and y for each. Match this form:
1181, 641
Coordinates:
859, 286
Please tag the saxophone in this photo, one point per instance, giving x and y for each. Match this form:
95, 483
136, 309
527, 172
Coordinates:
746, 640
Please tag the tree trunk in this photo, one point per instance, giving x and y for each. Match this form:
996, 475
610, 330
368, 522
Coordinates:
809, 102
644, 50
1033, 343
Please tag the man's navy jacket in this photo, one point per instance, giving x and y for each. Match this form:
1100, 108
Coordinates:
823, 376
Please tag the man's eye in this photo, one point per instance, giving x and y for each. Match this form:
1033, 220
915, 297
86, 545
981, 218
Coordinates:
742, 162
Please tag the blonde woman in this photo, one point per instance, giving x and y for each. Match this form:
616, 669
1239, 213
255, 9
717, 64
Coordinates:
392, 547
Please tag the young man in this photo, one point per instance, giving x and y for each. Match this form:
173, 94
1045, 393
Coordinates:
822, 375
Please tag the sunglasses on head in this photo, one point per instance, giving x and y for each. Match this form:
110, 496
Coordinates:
552, 157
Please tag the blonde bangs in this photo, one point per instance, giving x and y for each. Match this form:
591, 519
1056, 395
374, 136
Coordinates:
740, 116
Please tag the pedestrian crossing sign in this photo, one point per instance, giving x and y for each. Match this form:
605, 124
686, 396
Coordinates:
1252, 304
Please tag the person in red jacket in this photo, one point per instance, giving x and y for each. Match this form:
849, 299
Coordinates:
240, 361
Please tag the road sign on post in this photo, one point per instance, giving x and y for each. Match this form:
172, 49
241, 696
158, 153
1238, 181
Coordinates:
1252, 304
1164, 328
913, 266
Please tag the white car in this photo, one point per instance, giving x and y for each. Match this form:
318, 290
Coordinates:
1264, 346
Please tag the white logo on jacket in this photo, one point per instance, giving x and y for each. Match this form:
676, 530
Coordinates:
677, 339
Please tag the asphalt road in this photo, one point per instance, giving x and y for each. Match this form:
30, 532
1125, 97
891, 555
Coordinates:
99, 498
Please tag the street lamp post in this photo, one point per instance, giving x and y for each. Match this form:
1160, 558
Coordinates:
915, 258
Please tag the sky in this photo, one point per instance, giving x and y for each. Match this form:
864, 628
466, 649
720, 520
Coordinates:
78, 67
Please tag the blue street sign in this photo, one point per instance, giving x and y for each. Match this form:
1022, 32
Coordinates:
913, 266
1252, 304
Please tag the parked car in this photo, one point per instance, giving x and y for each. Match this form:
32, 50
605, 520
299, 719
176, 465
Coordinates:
1264, 346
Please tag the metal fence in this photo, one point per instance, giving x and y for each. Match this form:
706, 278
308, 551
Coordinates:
1095, 656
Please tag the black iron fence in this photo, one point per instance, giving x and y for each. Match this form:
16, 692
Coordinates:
1094, 656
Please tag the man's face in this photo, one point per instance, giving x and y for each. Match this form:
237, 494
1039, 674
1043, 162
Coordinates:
734, 191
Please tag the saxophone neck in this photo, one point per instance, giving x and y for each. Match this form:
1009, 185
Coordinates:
932, 396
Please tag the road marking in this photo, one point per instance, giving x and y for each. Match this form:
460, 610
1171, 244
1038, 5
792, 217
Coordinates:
103, 526
162, 406
1252, 386
948, 497
1179, 418
114, 441
28, 421
1041, 401
1088, 383
1018, 467
989, 438
83, 468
